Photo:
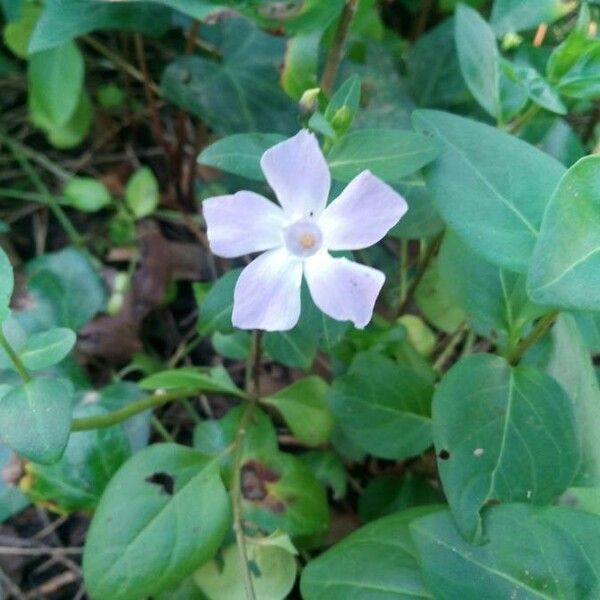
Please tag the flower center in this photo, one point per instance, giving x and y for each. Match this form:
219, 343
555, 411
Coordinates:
303, 238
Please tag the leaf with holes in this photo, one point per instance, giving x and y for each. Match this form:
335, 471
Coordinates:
164, 514
502, 434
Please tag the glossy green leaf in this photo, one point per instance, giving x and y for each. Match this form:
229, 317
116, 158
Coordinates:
87, 194
240, 154
216, 307
387, 153
517, 15
241, 92
377, 562
163, 515
566, 358
495, 299
7, 283
47, 348
502, 434
18, 33
304, 408
489, 187
64, 20
35, 419
565, 267
235, 346
383, 407
89, 462
273, 572
538, 553
55, 80
194, 379
142, 195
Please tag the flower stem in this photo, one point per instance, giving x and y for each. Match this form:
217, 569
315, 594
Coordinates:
115, 417
253, 390
541, 327
334, 57
14, 358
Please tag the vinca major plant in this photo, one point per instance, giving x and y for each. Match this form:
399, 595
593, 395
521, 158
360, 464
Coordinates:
300, 300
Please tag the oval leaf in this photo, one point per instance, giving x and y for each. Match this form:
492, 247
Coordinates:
47, 348
502, 434
164, 514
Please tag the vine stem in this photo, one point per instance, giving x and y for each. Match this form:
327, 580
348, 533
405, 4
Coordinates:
115, 417
334, 57
14, 358
541, 327
253, 390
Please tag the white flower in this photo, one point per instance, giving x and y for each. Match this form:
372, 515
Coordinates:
297, 237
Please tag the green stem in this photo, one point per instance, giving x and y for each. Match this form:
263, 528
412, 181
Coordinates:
113, 418
541, 327
17, 150
27, 196
524, 118
162, 430
14, 358
334, 57
447, 352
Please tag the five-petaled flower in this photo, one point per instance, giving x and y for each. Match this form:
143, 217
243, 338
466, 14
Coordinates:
296, 238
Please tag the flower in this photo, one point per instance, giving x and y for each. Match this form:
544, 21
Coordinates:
296, 238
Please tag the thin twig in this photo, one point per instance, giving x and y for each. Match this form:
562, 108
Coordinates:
334, 57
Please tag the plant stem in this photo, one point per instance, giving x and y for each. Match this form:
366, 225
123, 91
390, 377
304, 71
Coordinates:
17, 151
113, 418
334, 57
446, 353
414, 284
523, 119
14, 358
541, 327
253, 389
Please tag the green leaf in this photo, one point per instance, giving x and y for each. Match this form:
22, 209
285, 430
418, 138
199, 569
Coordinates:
329, 469
194, 379
240, 154
478, 58
35, 419
489, 187
7, 283
47, 348
141, 194
515, 15
17, 33
390, 494
216, 307
383, 407
280, 492
241, 92
377, 562
304, 408
387, 153
273, 572
55, 80
534, 553
301, 62
294, 348
87, 194
90, 460
67, 282
235, 346
502, 434
344, 105
565, 267
568, 361
163, 515
495, 299
64, 20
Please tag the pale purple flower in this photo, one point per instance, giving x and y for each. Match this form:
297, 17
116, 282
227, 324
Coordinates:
296, 238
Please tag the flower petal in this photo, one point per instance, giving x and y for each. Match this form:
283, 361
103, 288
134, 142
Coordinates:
267, 293
343, 289
242, 223
298, 173
362, 214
